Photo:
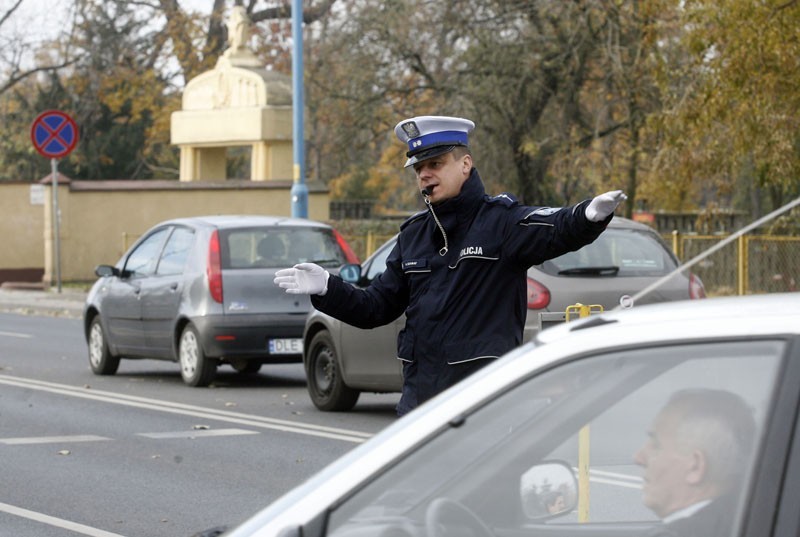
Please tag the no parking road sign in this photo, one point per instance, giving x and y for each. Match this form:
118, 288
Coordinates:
54, 134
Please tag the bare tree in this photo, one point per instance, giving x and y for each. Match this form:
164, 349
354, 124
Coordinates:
14, 54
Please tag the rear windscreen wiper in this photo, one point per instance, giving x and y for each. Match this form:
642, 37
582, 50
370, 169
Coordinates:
589, 271
323, 262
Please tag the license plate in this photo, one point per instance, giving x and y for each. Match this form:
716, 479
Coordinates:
286, 346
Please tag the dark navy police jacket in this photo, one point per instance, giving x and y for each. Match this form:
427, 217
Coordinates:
468, 305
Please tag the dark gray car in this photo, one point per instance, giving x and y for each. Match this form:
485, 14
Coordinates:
341, 361
199, 291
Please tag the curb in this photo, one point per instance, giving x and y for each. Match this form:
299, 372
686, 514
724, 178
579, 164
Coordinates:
67, 304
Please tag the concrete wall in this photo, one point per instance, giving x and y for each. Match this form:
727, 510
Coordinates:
21, 231
101, 219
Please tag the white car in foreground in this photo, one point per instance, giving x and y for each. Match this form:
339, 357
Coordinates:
567, 413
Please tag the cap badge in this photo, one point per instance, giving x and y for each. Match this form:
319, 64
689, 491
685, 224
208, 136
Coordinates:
411, 130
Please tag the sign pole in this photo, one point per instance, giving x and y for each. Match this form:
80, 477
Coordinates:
56, 223
299, 191
54, 135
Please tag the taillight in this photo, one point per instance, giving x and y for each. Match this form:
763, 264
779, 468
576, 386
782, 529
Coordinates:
538, 295
349, 254
214, 268
696, 287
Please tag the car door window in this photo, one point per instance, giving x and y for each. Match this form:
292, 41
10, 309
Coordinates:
176, 250
498, 464
142, 260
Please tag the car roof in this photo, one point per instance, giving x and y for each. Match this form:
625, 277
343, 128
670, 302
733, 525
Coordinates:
244, 220
773, 315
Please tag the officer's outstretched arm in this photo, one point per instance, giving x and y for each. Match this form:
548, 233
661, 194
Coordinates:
303, 279
603, 205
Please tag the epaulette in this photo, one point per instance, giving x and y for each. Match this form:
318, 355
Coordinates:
413, 218
509, 200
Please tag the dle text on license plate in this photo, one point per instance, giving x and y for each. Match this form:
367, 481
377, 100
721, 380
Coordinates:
286, 346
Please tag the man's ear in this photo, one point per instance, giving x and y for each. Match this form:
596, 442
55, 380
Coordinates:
467, 164
698, 467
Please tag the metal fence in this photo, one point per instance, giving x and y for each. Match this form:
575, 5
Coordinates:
753, 264
364, 245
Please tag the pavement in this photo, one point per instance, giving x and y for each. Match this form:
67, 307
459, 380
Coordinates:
67, 303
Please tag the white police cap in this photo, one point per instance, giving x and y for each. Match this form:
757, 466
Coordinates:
430, 136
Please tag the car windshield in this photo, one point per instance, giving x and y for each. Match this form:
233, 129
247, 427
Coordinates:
279, 247
485, 462
616, 252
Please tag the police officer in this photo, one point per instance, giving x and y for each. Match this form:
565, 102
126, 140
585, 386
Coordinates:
458, 270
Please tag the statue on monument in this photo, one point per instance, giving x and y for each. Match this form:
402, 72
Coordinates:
238, 28
239, 53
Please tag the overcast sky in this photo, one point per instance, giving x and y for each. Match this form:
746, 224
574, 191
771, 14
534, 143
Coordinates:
35, 21
45, 18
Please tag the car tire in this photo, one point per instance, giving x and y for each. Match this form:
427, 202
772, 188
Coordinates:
196, 368
324, 376
246, 367
101, 360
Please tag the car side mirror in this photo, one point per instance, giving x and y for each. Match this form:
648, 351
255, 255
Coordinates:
351, 273
104, 271
549, 489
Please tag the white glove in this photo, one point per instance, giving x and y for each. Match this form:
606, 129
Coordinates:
603, 205
303, 279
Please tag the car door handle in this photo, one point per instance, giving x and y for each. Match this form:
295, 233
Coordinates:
174, 286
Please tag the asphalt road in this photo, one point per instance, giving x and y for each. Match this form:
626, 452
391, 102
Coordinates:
141, 454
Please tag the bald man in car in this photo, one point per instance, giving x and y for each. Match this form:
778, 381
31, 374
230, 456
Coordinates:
698, 448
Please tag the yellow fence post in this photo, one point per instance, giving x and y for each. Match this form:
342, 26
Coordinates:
677, 244
582, 310
370, 246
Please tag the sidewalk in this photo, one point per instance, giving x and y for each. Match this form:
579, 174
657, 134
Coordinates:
68, 303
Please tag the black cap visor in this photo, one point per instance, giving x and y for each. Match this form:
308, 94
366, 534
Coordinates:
428, 152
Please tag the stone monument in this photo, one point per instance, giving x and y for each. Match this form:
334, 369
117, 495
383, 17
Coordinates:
238, 103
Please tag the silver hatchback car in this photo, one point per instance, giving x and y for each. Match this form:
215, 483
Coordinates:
199, 291
342, 361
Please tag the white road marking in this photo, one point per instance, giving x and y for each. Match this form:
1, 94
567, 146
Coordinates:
617, 482
237, 418
52, 439
199, 433
57, 522
617, 475
614, 478
16, 334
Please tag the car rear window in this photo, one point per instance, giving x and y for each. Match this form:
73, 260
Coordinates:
279, 247
617, 252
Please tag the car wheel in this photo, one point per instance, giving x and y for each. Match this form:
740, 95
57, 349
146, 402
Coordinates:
246, 367
324, 377
101, 360
196, 368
